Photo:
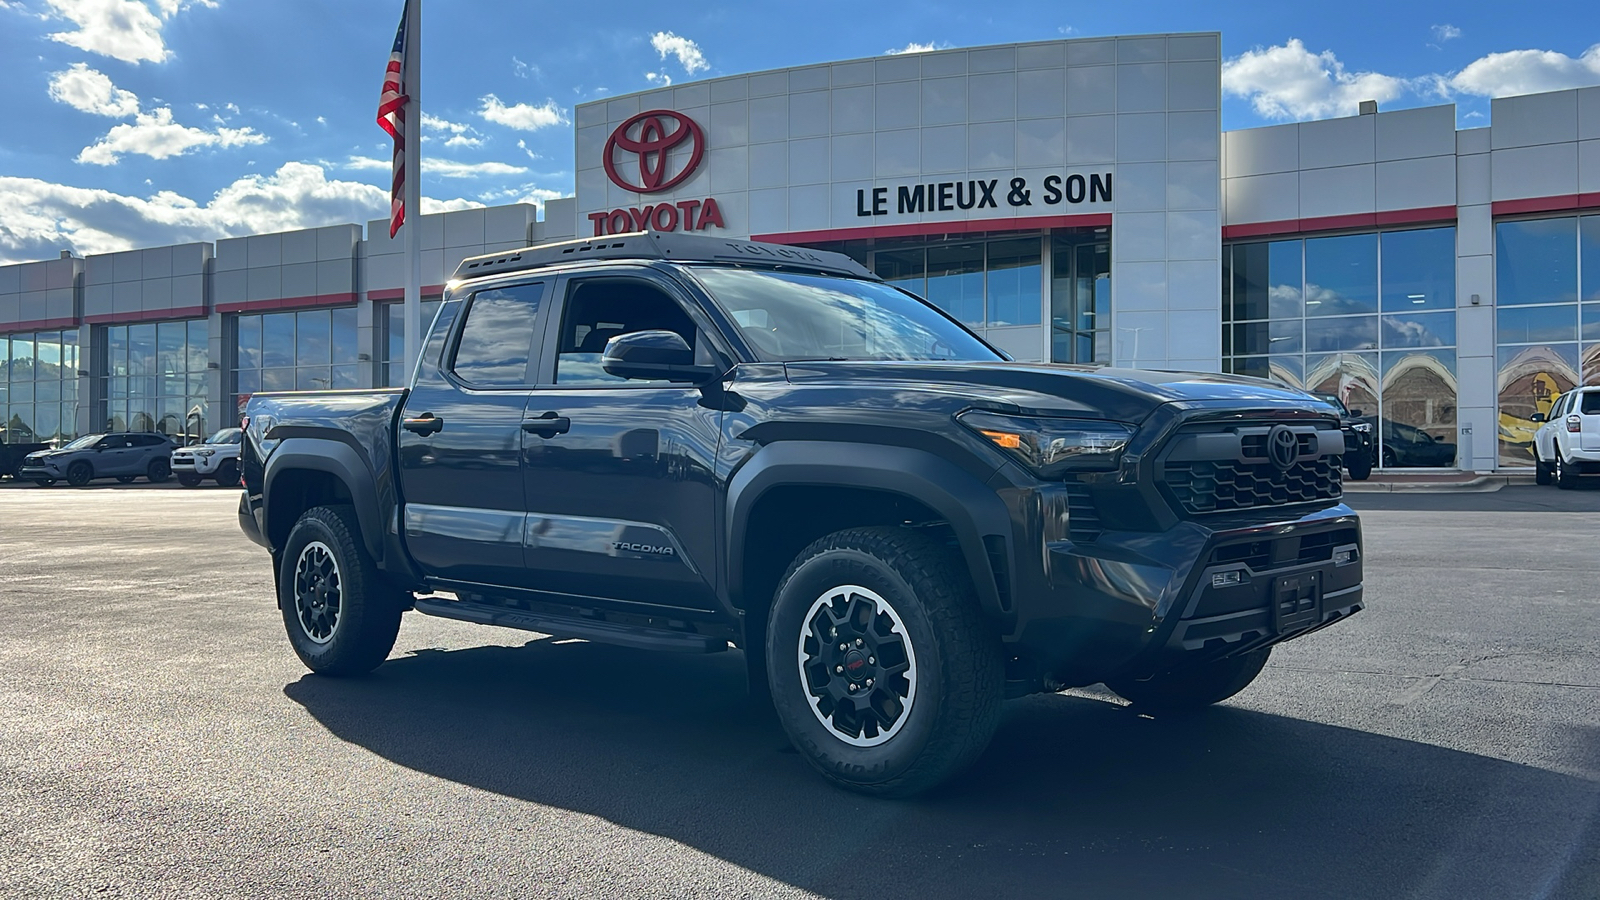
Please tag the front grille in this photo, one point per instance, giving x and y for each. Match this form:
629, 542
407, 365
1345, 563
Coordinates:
1204, 486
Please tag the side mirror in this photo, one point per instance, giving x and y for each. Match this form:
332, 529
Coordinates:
654, 356
1537, 417
1355, 413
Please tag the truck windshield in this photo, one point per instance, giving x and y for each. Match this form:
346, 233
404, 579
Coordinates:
225, 436
789, 316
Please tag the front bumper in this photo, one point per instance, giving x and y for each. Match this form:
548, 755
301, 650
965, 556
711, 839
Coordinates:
187, 464
37, 470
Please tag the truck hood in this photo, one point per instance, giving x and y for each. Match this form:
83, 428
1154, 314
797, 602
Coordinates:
1127, 395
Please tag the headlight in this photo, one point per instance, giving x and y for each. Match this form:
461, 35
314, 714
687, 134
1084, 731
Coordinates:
1364, 427
1053, 446
205, 453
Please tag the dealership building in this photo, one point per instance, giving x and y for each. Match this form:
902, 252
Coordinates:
1072, 201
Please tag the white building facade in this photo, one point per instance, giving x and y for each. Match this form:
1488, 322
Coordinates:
1072, 201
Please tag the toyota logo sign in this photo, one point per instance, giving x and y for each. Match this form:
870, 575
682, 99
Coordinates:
645, 144
1283, 447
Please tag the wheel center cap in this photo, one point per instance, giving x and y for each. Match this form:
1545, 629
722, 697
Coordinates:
856, 667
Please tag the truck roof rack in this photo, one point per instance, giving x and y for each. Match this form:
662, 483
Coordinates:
658, 245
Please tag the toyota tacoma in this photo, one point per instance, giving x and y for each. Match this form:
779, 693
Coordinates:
685, 443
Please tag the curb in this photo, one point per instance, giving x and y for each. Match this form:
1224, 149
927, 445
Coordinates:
1482, 484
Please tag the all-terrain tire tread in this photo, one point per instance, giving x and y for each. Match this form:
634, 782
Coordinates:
368, 627
974, 673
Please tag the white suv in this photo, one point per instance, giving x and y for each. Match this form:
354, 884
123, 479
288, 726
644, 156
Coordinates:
217, 458
1568, 443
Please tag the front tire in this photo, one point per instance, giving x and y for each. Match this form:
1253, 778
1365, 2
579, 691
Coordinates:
44, 482
228, 474
80, 474
914, 695
189, 480
158, 471
126, 479
1196, 686
342, 618
1360, 468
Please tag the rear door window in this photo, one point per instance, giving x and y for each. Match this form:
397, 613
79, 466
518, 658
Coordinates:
497, 338
1591, 403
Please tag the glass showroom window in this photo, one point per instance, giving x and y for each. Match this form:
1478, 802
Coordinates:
309, 350
1547, 321
155, 379
982, 283
39, 387
392, 355
1369, 317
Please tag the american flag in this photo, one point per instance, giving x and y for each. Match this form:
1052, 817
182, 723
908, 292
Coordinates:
392, 118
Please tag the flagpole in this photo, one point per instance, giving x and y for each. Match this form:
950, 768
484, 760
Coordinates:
413, 184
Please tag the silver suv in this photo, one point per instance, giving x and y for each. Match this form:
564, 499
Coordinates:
121, 455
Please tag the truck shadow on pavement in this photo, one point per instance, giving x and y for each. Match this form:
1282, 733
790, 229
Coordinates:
1075, 797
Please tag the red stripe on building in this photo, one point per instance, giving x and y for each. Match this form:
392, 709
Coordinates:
147, 315
287, 303
428, 291
1418, 216
38, 325
1557, 203
920, 229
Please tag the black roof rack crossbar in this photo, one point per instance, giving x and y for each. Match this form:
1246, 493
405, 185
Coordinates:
658, 245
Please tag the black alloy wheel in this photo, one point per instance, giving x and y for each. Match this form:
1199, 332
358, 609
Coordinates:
1390, 460
340, 614
158, 471
1566, 475
883, 670
126, 479
44, 482
80, 473
228, 474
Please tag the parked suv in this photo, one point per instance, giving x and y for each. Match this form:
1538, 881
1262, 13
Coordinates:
1567, 445
217, 457
1358, 450
677, 442
122, 455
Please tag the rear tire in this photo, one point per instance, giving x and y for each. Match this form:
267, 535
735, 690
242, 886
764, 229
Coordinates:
1360, 468
158, 471
1541, 469
228, 474
44, 482
1195, 687
923, 692
80, 474
341, 616
1566, 476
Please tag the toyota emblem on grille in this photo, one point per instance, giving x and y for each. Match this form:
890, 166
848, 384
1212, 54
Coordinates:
1283, 447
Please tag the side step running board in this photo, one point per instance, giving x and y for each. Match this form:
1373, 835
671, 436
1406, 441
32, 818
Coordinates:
566, 627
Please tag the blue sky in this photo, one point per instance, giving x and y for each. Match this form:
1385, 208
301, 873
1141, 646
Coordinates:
135, 123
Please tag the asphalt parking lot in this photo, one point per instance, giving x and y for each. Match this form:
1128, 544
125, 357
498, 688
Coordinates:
158, 738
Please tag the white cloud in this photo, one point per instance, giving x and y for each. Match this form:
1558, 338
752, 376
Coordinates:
1442, 33
915, 47
156, 135
523, 146
1524, 72
661, 78
522, 116
445, 168
83, 88
367, 162
460, 133
523, 69
122, 29
687, 51
1291, 82
42, 218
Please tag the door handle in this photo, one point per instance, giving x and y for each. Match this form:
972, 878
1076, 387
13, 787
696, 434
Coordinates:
425, 424
548, 425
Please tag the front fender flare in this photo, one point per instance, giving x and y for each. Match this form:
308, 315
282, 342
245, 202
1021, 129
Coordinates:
974, 512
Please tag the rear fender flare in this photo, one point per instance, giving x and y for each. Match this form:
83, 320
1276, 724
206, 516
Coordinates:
971, 508
340, 460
